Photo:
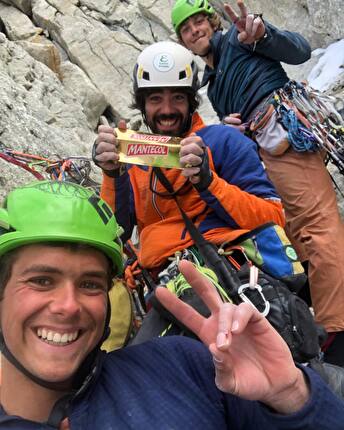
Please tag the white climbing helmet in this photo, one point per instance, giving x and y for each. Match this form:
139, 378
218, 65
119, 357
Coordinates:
165, 64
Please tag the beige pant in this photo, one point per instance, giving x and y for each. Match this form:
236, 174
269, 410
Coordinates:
314, 227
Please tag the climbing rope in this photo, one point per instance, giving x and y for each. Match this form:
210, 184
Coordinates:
75, 169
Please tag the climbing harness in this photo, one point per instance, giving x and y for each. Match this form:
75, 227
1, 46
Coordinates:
75, 169
310, 119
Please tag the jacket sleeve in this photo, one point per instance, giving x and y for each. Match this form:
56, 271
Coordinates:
323, 411
280, 45
240, 193
117, 193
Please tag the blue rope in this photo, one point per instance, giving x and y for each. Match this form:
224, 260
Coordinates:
300, 137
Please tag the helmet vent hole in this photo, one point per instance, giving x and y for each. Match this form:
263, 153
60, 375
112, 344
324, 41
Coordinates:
145, 76
4, 230
182, 75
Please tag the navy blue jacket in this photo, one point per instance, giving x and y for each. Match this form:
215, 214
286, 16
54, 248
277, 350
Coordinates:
168, 384
241, 77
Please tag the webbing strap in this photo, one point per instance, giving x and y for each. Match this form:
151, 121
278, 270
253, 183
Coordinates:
226, 274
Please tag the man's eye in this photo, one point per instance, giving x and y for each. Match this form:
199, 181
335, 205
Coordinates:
93, 286
41, 282
154, 99
184, 30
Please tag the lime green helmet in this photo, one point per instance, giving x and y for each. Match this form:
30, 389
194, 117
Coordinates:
183, 9
54, 211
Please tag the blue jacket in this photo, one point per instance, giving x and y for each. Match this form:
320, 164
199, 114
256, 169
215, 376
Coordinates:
241, 77
168, 384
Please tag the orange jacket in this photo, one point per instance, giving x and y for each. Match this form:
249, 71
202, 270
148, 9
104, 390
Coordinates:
239, 198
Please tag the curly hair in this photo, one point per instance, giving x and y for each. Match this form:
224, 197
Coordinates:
214, 20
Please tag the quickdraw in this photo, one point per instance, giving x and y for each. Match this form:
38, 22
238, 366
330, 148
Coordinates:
312, 121
74, 168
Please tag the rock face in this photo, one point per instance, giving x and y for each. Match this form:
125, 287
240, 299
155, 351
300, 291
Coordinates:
63, 63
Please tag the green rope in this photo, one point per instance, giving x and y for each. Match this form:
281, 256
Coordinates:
179, 284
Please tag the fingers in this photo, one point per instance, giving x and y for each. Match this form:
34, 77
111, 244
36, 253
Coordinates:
231, 13
224, 370
106, 148
224, 335
122, 125
183, 312
191, 153
243, 8
250, 26
234, 120
234, 320
254, 29
204, 288
256, 24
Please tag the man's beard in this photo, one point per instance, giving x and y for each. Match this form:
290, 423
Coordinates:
183, 128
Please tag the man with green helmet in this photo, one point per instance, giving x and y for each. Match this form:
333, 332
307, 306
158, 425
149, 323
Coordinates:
184, 9
243, 71
59, 248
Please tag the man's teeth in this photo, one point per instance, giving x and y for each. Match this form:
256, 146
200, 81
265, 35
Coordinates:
167, 122
55, 337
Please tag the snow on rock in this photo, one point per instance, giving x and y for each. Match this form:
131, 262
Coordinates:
329, 66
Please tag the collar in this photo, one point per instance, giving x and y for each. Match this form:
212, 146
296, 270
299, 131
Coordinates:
197, 123
216, 45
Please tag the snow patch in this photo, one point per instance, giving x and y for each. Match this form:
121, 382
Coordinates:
329, 66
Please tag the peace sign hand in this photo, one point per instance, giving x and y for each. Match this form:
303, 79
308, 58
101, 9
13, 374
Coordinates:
251, 359
250, 27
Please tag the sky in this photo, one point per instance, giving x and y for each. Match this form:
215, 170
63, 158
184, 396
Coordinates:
329, 66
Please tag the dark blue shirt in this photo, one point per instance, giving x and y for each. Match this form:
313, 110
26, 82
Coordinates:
168, 384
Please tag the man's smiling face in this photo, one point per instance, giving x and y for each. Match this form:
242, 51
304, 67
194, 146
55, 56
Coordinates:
167, 111
195, 33
53, 309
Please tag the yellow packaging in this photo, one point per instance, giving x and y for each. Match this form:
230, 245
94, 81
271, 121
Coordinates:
148, 149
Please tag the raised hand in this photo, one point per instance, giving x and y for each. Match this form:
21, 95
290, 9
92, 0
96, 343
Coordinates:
251, 359
193, 158
234, 120
106, 151
250, 26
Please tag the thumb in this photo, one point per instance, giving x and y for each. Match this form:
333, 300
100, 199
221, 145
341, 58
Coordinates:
242, 36
122, 125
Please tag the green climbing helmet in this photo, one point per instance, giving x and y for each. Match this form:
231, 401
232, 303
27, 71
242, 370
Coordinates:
54, 211
183, 9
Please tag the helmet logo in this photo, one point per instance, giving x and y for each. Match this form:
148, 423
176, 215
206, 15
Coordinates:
163, 62
102, 208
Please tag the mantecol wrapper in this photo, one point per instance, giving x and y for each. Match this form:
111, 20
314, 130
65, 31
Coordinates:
148, 149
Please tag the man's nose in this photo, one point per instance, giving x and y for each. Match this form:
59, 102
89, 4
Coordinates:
66, 300
193, 28
167, 106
